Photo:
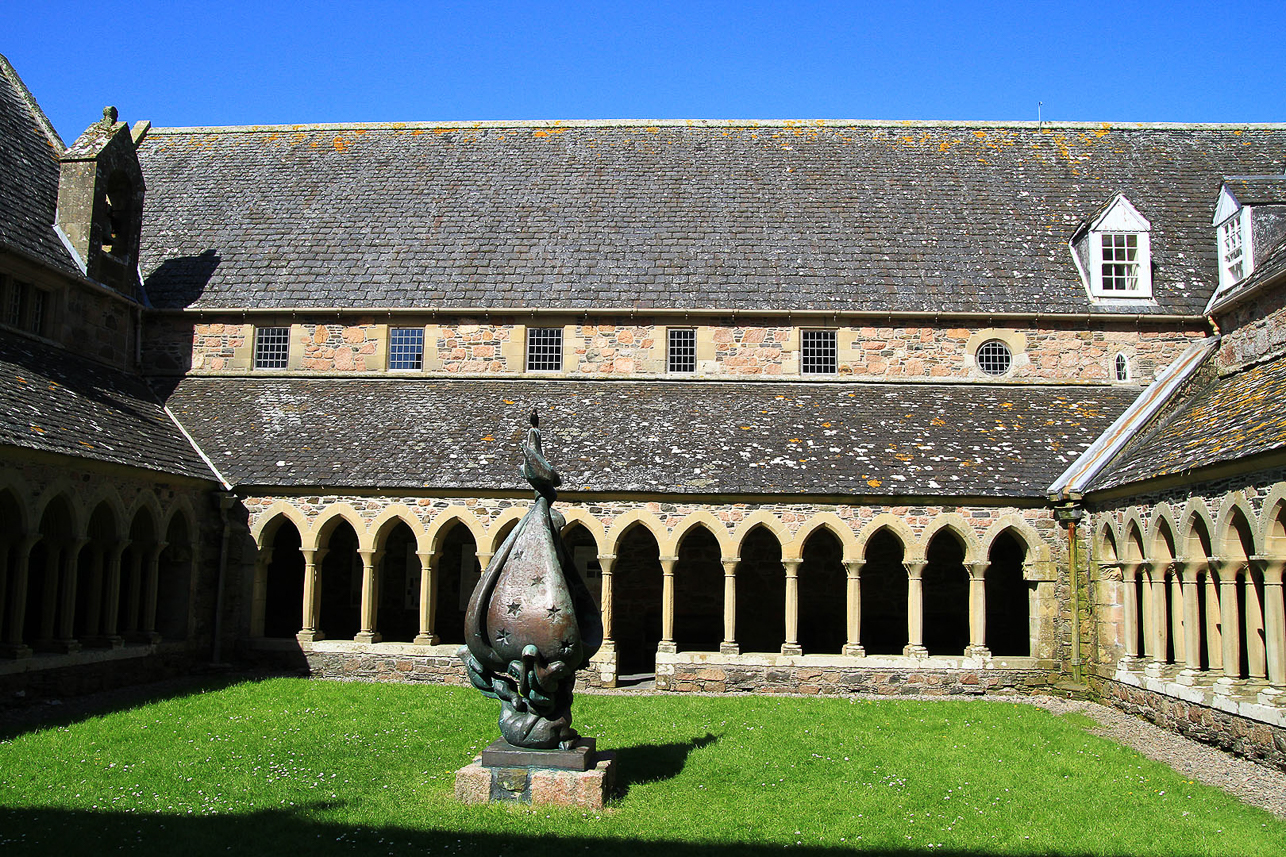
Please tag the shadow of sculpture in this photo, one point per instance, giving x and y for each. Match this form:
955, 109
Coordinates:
648, 763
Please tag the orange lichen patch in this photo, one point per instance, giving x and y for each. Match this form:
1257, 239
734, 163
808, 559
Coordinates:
547, 132
874, 483
84, 444
943, 146
981, 135
1103, 129
904, 456
744, 428
417, 132
488, 438
37, 429
826, 425
1237, 133
507, 402
793, 440
340, 144
654, 130
937, 421
443, 130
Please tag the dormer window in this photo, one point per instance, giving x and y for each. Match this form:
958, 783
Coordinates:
1232, 256
1114, 252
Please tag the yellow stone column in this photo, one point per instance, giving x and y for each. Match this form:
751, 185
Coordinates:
112, 595
1160, 627
1186, 571
67, 641
977, 647
729, 645
1230, 624
1274, 626
791, 646
915, 609
370, 596
1130, 607
667, 645
259, 593
49, 597
1256, 652
853, 606
1177, 630
1213, 619
310, 613
428, 601
605, 562
13, 646
94, 594
133, 605
150, 589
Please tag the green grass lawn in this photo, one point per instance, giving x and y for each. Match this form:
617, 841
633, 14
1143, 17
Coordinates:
291, 766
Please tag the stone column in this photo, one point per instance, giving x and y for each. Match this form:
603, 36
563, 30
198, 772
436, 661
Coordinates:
49, 597
1177, 631
1130, 606
729, 645
67, 641
370, 596
112, 599
605, 563
135, 590
1213, 619
915, 609
853, 603
5, 545
1229, 620
1274, 625
1186, 570
1256, 651
150, 589
310, 630
791, 646
259, 595
13, 646
1160, 627
667, 645
428, 601
1148, 613
978, 611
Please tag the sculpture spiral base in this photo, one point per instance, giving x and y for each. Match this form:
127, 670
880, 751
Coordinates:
578, 776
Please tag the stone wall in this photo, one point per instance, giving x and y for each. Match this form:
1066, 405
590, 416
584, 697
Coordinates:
472, 347
1253, 331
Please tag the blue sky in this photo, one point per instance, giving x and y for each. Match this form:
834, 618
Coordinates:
234, 62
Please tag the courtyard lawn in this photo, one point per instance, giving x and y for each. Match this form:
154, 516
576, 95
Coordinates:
292, 766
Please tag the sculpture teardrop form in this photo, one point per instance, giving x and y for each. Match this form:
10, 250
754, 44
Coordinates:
531, 622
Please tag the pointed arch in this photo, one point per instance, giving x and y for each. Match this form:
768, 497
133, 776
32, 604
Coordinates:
1234, 535
830, 521
1022, 530
623, 523
895, 527
959, 527
377, 531
1106, 541
1133, 543
1272, 525
1162, 546
771, 523
579, 515
147, 499
107, 493
703, 518
499, 527
317, 535
16, 517
443, 520
61, 488
1196, 531
269, 520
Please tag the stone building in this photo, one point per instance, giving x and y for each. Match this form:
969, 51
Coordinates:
839, 407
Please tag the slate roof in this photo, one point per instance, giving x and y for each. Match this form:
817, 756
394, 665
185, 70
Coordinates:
653, 437
56, 401
29, 150
1258, 190
847, 216
1222, 420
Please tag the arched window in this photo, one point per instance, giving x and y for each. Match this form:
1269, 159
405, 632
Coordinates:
1122, 367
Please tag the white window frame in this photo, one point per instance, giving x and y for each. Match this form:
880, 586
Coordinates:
684, 349
1121, 369
824, 359
275, 357
1120, 218
544, 338
1234, 228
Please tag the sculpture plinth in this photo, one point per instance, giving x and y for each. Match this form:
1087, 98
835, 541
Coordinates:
530, 624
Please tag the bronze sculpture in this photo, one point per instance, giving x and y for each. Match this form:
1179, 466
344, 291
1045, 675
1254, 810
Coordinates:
531, 622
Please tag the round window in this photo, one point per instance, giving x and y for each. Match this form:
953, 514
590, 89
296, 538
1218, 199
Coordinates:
994, 357
1122, 368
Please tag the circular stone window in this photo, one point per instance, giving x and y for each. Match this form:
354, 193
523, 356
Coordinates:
994, 357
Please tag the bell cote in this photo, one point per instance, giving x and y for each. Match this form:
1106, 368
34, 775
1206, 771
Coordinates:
100, 202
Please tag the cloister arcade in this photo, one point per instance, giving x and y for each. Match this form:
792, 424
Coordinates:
82, 571
1200, 593
698, 585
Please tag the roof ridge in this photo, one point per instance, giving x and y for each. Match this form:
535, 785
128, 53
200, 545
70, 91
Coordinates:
712, 123
7, 69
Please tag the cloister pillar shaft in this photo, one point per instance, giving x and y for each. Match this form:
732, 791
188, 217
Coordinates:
606, 561
5, 544
67, 641
978, 611
259, 594
310, 615
853, 605
1256, 651
49, 594
1187, 570
370, 597
150, 590
428, 600
1214, 618
1130, 606
94, 591
135, 589
1274, 619
729, 645
667, 605
1148, 612
1228, 613
915, 609
112, 597
791, 646
1160, 628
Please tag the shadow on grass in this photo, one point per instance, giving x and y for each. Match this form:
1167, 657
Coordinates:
68, 833
41, 715
650, 763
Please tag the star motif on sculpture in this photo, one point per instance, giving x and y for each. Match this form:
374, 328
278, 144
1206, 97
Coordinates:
537, 580
553, 611
567, 645
513, 607
502, 636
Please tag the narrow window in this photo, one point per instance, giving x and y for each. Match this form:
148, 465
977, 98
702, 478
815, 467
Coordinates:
406, 348
544, 349
818, 353
1230, 249
14, 307
994, 357
1122, 368
1120, 262
272, 347
39, 303
681, 354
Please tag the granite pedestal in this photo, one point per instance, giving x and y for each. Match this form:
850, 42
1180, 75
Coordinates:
580, 776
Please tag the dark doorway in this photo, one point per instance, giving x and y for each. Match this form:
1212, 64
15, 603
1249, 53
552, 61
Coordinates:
698, 593
457, 574
823, 595
1008, 598
283, 613
636, 601
341, 585
946, 596
761, 593
884, 594
398, 620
